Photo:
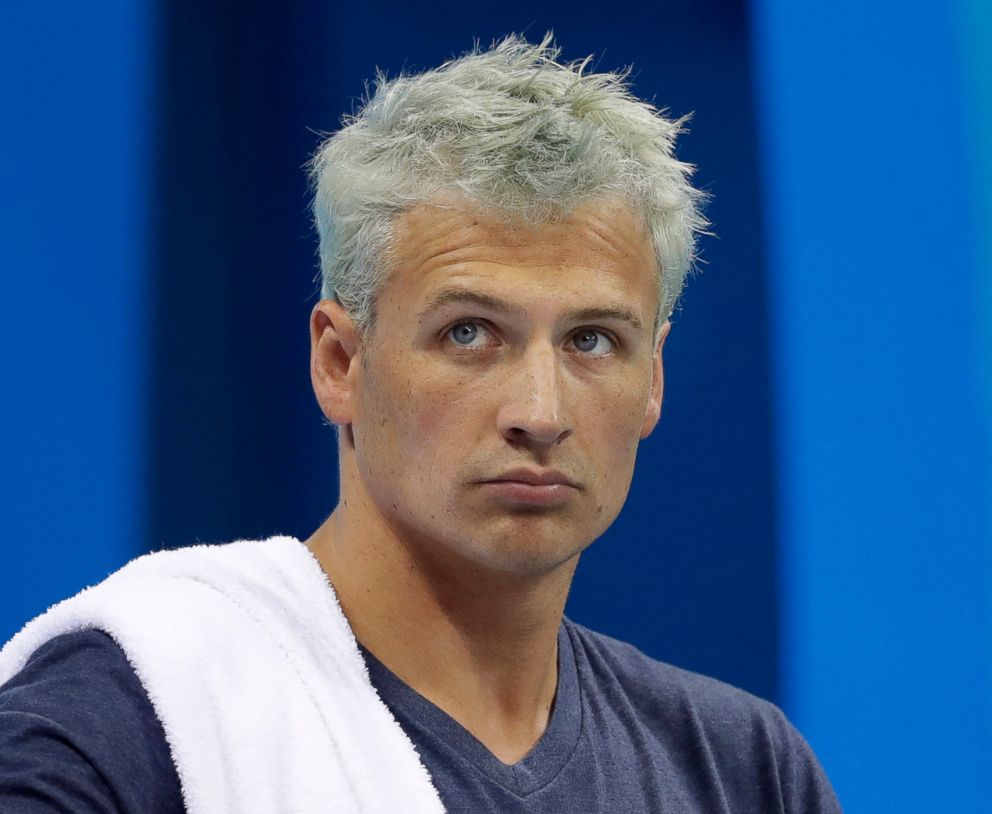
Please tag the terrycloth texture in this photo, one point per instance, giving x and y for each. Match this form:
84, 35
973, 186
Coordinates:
256, 677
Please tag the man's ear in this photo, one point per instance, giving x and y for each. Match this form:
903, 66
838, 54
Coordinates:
333, 348
653, 412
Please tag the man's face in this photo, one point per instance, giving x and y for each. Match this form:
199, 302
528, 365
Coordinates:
498, 403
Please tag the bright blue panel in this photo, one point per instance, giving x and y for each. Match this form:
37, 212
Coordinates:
74, 149
884, 454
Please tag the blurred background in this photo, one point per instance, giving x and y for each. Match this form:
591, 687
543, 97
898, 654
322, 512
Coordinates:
812, 520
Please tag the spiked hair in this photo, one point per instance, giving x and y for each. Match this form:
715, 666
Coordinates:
513, 130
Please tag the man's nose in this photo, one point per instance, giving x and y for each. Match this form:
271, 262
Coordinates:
532, 409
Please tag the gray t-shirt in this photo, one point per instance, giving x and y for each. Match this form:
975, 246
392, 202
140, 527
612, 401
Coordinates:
627, 734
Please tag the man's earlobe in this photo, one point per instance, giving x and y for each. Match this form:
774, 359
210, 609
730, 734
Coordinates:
333, 348
653, 412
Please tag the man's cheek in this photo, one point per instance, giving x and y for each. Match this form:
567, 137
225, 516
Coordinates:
438, 405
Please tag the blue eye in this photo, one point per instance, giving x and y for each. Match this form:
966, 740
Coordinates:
594, 343
468, 334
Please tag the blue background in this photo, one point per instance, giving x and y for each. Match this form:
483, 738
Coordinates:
811, 520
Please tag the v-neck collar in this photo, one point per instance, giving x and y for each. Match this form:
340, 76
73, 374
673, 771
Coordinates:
445, 735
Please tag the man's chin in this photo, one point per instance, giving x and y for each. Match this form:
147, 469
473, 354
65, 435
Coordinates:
523, 555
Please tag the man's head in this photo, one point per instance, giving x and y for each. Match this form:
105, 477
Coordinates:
514, 132
491, 234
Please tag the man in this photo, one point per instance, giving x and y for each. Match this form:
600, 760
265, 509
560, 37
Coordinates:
502, 242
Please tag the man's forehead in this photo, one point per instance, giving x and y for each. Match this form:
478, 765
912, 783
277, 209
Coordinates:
602, 236
611, 222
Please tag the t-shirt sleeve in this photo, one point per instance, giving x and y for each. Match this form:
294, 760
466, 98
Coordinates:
804, 785
78, 734
761, 758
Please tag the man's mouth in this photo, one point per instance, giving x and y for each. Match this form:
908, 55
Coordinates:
531, 487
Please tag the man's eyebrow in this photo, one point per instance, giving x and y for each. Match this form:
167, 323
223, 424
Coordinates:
463, 296
613, 312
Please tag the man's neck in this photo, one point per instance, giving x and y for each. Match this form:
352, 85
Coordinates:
481, 646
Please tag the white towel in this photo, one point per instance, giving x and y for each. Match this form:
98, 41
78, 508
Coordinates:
256, 677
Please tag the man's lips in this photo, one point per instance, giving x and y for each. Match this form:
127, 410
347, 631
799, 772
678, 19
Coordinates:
534, 477
531, 487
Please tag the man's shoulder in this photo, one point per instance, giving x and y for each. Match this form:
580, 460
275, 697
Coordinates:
641, 677
681, 704
706, 728
80, 681
77, 728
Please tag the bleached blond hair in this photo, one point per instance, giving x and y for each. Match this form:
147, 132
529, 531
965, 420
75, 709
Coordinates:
513, 130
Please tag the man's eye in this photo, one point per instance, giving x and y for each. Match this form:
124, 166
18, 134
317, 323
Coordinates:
468, 334
594, 343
